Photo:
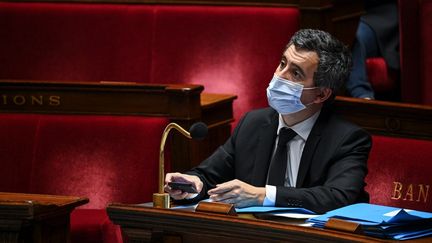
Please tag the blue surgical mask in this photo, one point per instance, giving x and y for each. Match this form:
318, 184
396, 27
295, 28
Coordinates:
284, 95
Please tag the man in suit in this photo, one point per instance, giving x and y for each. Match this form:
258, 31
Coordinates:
296, 153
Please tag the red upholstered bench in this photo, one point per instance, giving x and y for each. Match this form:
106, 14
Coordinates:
104, 158
228, 49
399, 172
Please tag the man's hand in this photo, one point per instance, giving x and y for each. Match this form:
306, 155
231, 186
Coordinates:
178, 177
238, 193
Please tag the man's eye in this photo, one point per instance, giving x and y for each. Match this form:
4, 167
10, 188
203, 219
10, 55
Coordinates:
297, 74
282, 64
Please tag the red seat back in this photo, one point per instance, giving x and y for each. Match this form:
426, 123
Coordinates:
17, 138
104, 158
377, 72
227, 49
87, 42
399, 173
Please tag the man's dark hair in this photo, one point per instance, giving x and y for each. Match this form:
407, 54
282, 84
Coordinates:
335, 62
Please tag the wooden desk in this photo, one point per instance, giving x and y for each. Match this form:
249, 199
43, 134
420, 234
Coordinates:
147, 224
36, 218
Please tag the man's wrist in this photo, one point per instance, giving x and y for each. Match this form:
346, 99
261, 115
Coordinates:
270, 196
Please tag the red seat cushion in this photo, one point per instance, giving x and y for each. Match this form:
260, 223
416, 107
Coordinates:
377, 73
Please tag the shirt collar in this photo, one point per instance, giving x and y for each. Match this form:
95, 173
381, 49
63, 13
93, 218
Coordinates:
302, 128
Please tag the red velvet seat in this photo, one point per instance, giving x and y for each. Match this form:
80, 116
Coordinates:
75, 41
377, 71
101, 157
399, 173
17, 131
105, 158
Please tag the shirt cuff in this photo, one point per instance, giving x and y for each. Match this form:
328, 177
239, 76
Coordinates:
270, 198
191, 196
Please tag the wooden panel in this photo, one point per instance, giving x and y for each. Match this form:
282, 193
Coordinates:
387, 118
114, 98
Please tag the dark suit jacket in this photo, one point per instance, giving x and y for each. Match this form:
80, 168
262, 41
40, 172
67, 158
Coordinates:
332, 168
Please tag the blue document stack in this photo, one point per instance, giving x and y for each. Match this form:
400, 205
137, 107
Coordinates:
382, 221
261, 209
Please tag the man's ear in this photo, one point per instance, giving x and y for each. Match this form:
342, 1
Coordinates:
324, 94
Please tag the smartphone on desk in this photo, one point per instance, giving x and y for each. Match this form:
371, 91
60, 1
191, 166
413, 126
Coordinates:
183, 186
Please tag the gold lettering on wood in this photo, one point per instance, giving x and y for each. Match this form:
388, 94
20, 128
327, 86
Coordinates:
54, 100
33, 100
38, 100
409, 192
19, 100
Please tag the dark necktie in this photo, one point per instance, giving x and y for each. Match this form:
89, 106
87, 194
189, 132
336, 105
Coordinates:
278, 165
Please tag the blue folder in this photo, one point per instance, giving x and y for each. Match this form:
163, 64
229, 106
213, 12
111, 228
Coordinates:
382, 221
262, 209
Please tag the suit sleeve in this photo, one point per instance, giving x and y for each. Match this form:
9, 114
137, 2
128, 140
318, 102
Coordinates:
341, 181
219, 167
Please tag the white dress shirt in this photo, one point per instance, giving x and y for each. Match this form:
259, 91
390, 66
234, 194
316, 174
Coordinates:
295, 151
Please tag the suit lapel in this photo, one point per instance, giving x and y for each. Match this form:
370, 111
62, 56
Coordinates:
307, 156
266, 139
310, 147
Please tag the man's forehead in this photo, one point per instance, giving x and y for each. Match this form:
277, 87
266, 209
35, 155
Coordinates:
301, 55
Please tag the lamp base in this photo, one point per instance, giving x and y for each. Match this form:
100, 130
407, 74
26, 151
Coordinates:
161, 200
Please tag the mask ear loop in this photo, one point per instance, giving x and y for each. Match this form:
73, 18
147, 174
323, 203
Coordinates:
311, 88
